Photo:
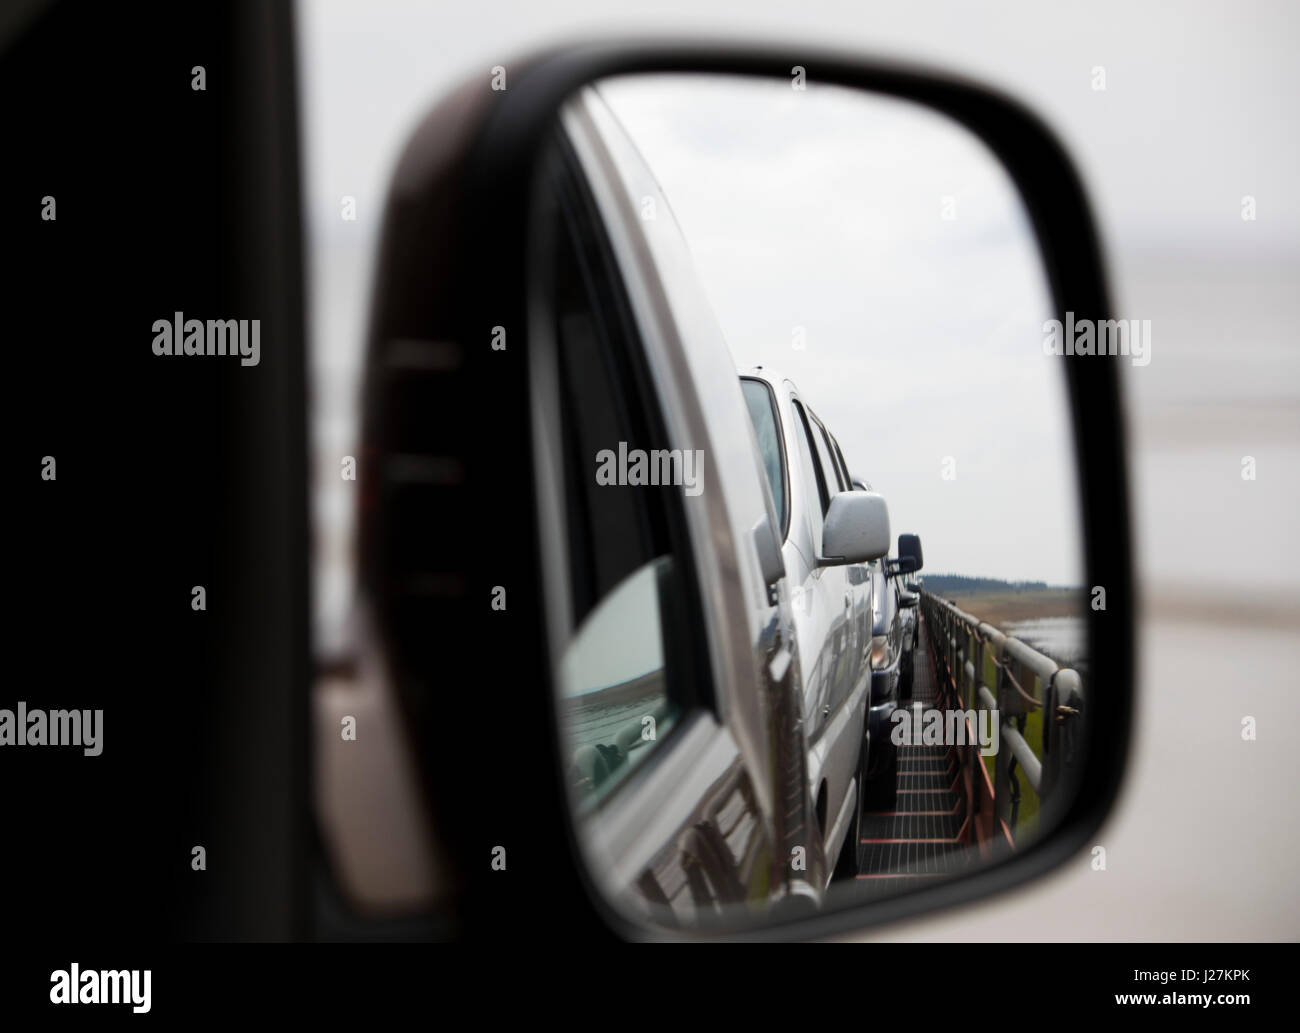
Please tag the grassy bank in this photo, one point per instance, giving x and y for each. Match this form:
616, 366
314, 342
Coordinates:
1000, 608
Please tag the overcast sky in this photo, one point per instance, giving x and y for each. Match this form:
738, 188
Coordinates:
1197, 112
816, 219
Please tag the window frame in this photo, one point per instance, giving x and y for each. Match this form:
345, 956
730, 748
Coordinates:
830, 454
688, 670
577, 231
823, 500
780, 444
844, 467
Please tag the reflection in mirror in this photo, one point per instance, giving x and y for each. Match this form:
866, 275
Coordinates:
612, 683
750, 296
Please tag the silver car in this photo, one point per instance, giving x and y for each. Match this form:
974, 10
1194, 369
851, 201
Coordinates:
833, 606
710, 632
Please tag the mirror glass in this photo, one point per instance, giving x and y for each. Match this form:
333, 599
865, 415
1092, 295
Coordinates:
749, 295
613, 685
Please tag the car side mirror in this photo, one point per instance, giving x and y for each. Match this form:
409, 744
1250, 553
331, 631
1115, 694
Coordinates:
555, 200
856, 529
909, 553
907, 602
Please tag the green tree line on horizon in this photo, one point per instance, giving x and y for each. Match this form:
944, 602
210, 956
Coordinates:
960, 584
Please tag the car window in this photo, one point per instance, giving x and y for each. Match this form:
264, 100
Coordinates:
632, 664
841, 470
834, 481
609, 526
844, 467
803, 434
762, 411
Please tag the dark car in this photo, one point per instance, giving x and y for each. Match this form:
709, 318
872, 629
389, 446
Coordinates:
893, 636
907, 608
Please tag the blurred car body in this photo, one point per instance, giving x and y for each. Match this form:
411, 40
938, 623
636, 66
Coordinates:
682, 695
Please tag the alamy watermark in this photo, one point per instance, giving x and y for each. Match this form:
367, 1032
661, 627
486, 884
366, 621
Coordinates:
108, 986
684, 467
1127, 337
918, 726
181, 336
23, 727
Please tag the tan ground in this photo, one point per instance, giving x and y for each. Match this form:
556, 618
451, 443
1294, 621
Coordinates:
998, 608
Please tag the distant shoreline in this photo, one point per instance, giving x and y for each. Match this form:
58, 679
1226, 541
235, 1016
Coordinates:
1000, 608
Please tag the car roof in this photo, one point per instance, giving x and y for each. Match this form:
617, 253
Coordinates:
761, 373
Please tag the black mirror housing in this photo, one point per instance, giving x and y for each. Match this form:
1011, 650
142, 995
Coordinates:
473, 201
909, 553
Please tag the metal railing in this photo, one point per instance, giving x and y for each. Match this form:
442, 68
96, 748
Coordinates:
1025, 681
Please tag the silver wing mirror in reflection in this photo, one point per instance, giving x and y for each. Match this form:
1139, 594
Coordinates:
856, 529
613, 684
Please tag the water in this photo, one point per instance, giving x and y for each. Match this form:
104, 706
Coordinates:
1064, 639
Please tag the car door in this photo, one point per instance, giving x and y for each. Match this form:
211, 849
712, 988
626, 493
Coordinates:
859, 575
851, 687
858, 582
817, 611
849, 646
825, 637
